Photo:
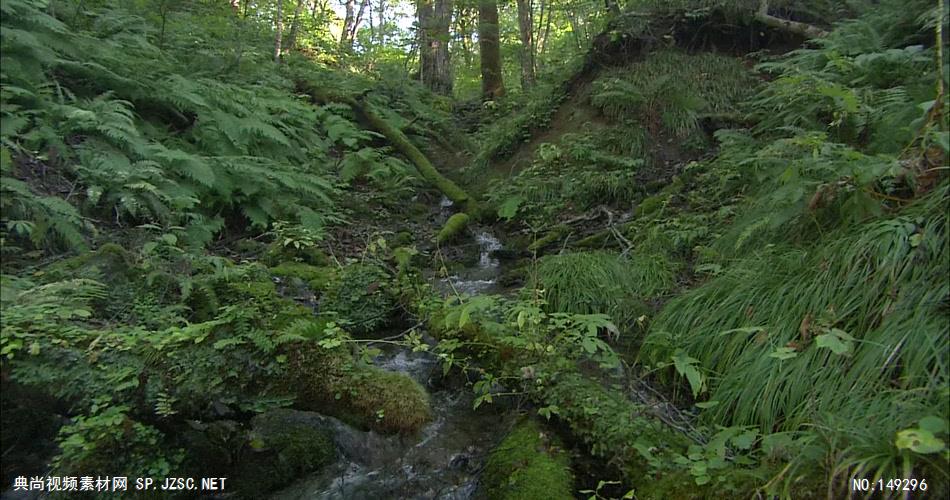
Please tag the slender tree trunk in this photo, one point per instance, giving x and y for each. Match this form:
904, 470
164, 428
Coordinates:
294, 27
575, 29
381, 23
435, 70
526, 27
358, 20
463, 33
493, 85
280, 31
347, 23
547, 31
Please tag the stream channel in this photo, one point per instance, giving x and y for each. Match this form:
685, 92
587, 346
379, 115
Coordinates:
445, 458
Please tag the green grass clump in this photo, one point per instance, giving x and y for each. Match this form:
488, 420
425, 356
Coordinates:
528, 464
851, 332
600, 282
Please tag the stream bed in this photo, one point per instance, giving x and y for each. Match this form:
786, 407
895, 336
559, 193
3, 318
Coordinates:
444, 459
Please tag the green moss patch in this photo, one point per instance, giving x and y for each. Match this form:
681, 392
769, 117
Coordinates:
283, 445
315, 277
528, 464
366, 397
452, 227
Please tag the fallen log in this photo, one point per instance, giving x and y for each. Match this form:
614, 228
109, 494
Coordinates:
805, 30
399, 140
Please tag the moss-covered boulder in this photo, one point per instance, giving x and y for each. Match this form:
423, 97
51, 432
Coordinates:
276, 254
453, 227
317, 278
330, 382
529, 464
283, 445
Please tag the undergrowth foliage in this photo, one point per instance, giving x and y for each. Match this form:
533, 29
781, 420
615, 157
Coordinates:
134, 133
775, 321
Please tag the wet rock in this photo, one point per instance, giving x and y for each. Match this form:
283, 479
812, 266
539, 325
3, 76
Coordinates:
283, 445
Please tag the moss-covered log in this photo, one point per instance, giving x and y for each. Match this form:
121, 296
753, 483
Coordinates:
365, 397
802, 29
401, 142
529, 464
553, 235
621, 431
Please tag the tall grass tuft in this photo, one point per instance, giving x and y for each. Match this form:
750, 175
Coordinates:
765, 329
600, 282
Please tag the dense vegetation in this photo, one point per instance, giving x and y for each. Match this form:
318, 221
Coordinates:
726, 263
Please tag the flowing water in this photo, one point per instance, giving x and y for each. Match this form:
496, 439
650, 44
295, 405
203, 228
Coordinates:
444, 460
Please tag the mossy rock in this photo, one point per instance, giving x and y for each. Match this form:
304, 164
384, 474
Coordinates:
403, 239
284, 445
277, 254
361, 296
529, 464
386, 401
453, 227
330, 382
651, 204
315, 277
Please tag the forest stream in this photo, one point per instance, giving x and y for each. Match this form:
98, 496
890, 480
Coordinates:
444, 459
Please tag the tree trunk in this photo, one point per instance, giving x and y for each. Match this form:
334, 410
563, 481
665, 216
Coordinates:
398, 139
381, 22
435, 16
347, 24
576, 29
280, 31
526, 27
493, 85
794, 27
357, 21
547, 31
294, 27
612, 7
461, 30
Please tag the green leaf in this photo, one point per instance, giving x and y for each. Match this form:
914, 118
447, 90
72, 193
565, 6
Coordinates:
589, 345
783, 353
685, 366
839, 341
744, 441
509, 207
919, 441
465, 316
935, 425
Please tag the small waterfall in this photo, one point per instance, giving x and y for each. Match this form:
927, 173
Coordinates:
483, 277
488, 244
